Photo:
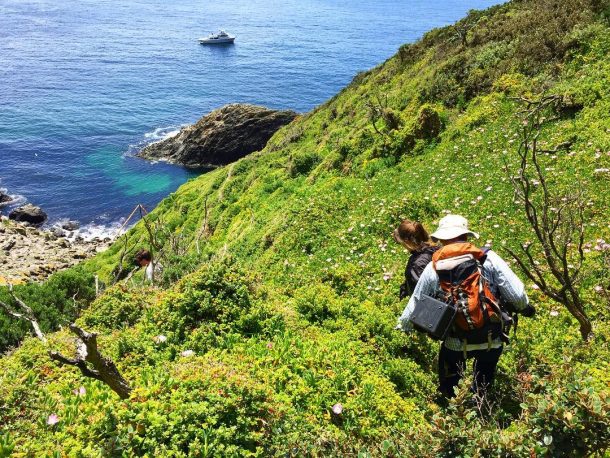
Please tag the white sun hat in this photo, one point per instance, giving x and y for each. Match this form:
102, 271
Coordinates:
452, 226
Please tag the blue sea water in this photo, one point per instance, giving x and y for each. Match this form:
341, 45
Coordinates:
84, 84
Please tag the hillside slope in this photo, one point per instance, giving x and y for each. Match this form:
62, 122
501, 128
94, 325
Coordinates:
282, 277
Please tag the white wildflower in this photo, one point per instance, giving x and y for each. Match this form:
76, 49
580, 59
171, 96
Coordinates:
160, 338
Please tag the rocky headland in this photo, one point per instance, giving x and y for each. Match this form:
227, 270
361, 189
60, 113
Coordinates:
221, 137
30, 254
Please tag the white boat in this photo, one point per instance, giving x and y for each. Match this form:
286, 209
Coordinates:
217, 38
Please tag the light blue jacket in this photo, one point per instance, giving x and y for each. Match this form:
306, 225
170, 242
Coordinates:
502, 280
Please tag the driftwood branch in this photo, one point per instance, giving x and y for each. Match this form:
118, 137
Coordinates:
80, 363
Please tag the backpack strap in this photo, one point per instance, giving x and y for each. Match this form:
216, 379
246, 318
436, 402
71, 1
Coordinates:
485, 250
513, 318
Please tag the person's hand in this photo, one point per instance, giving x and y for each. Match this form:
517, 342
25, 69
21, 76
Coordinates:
403, 291
529, 311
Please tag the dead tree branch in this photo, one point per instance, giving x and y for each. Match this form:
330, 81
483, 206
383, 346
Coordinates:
88, 358
379, 109
375, 113
92, 363
205, 226
556, 219
27, 314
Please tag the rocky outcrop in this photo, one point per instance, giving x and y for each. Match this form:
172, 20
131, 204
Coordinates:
4, 199
29, 254
221, 137
70, 226
28, 214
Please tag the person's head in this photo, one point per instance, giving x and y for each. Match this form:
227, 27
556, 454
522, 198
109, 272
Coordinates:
412, 235
451, 229
143, 258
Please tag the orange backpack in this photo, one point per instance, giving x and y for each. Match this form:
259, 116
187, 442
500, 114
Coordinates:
459, 268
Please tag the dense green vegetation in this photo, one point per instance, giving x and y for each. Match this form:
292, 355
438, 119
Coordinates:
56, 302
285, 287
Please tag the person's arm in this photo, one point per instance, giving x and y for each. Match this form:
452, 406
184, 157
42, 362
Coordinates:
510, 287
405, 290
427, 284
149, 273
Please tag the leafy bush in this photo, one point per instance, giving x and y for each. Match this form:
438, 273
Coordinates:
205, 408
316, 303
302, 163
567, 415
177, 266
213, 297
119, 307
54, 303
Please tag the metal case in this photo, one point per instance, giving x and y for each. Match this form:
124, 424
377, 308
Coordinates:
433, 316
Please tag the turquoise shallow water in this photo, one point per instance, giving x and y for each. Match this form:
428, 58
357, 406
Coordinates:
85, 84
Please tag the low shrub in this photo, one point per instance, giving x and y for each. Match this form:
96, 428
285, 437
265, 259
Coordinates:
215, 296
302, 163
119, 307
55, 303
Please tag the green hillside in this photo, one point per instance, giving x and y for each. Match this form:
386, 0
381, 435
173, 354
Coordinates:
282, 277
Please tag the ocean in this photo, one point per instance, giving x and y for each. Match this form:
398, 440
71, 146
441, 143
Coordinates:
84, 85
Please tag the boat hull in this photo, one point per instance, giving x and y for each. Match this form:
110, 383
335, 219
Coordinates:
218, 41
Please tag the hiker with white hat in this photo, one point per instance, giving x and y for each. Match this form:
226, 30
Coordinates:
478, 287
451, 227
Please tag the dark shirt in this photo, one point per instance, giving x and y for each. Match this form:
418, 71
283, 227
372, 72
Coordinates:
415, 266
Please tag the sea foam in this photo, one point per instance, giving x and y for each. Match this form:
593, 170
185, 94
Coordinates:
154, 136
162, 133
91, 231
16, 199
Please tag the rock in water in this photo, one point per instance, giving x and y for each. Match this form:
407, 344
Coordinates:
70, 226
4, 199
221, 137
28, 214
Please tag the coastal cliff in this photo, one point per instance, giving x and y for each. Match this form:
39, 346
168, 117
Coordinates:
221, 137
271, 330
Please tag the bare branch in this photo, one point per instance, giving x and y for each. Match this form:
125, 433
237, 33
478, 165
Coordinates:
80, 363
12, 313
557, 220
93, 364
27, 315
88, 358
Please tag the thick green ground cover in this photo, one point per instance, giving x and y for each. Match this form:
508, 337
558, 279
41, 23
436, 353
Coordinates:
288, 295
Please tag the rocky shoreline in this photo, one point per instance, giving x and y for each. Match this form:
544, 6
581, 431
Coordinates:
31, 254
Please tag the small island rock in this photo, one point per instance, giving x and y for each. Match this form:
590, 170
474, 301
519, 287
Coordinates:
221, 137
